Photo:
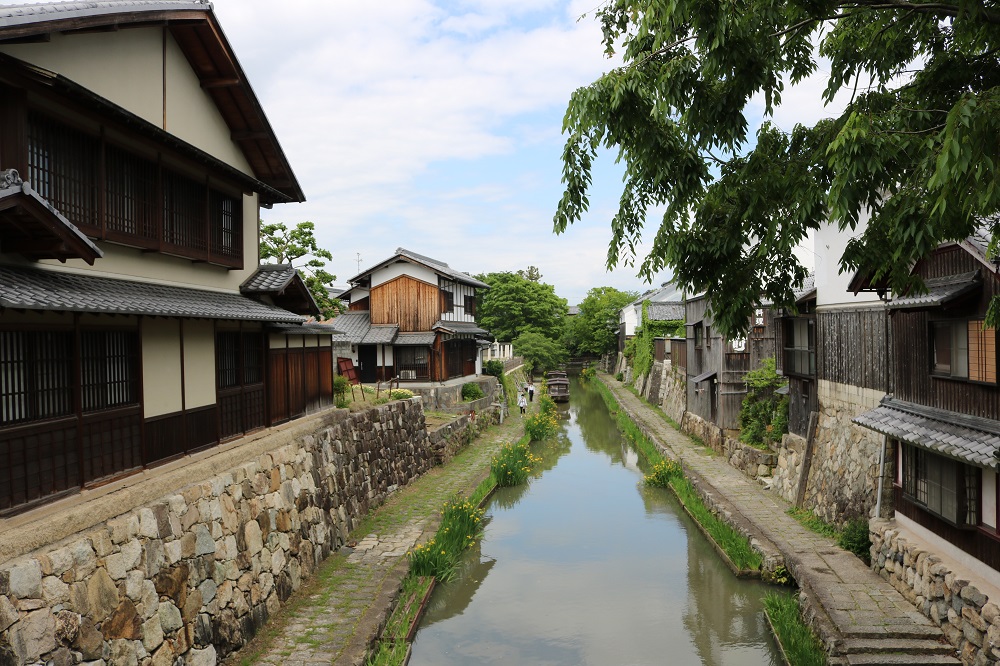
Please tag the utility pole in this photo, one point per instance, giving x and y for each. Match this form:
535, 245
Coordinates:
359, 261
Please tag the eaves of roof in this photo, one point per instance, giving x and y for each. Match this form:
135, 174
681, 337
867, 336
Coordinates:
438, 267
196, 29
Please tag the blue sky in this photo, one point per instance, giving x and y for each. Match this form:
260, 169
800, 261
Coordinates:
436, 126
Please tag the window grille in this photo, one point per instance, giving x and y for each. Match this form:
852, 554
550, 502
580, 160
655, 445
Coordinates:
226, 221
183, 212
109, 369
36, 370
63, 164
131, 194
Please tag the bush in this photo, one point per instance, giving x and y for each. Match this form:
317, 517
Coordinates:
341, 385
494, 368
461, 525
540, 425
620, 376
400, 394
856, 539
512, 464
662, 473
546, 404
588, 373
763, 417
471, 391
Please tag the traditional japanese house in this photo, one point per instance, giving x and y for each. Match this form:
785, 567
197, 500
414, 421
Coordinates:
135, 326
795, 357
716, 367
942, 422
412, 318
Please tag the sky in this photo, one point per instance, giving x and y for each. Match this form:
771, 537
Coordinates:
436, 125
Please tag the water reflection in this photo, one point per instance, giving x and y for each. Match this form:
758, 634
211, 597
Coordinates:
586, 565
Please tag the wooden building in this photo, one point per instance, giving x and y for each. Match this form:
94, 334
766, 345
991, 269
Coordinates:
135, 326
412, 318
943, 419
716, 367
795, 357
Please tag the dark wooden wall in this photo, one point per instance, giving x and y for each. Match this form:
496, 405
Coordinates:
850, 347
912, 353
412, 304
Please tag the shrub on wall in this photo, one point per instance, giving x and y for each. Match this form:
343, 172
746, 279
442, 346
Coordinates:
644, 350
763, 417
471, 391
494, 368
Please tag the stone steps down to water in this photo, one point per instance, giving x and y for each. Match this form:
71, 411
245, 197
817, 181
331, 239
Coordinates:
905, 659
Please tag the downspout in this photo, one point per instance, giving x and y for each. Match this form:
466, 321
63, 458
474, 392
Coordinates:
884, 297
881, 476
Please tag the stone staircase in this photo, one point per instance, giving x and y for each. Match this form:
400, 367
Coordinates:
913, 651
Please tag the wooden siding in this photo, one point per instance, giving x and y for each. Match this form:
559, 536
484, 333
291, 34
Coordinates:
678, 352
802, 401
912, 356
300, 381
850, 347
411, 304
982, 543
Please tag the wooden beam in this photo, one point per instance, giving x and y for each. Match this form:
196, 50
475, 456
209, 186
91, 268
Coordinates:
229, 82
248, 135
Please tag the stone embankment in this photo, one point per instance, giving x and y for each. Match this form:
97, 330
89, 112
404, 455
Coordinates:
192, 562
860, 616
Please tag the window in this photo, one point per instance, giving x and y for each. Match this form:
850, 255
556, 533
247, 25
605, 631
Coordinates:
109, 362
62, 167
800, 346
447, 301
412, 362
239, 359
964, 349
943, 486
470, 306
130, 196
699, 335
36, 373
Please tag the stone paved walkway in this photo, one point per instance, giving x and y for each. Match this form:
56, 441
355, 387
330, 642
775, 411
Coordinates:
858, 614
336, 615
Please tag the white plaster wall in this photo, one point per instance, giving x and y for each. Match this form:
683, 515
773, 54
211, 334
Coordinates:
628, 317
199, 363
831, 285
127, 68
394, 270
161, 366
989, 498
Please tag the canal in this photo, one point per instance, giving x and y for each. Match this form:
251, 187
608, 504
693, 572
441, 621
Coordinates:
586, 565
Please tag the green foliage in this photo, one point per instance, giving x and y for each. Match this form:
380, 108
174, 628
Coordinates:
595, 329
732, 542
512, 464
286, 246
461, 525
620, 376
855, 538
763, 417
811, 521
546, 404
539, 351
588, 373
400, 394
629, 350
540, 425
514, 304
493, 367
471, 391
643, 345
780, 576
915, 146
798, 641
662, 473
341, 387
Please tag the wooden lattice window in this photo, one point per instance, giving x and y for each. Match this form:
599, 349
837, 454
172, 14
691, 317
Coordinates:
226, 222
36, 372
109, 369
943, 486
131, 195
184, 213
982, 353
240, 359
63, 164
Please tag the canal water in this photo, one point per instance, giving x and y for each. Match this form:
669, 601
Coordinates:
586, 565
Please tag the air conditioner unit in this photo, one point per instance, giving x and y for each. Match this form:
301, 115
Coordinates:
407, 374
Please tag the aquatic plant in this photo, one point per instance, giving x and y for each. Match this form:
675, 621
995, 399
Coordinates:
512, 464
461, 526
540, 425
800, 645
663, 472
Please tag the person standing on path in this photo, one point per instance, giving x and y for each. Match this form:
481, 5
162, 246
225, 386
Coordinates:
521, 402
531, 392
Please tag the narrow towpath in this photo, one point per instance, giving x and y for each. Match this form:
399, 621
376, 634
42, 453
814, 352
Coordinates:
859, 615
335, 616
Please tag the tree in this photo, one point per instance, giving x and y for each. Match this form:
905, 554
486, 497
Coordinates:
539, 351
531, 273
515, 304
595, 329
286, 246
917, 148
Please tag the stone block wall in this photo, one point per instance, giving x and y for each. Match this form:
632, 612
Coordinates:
190, 576
788, 466
449, 439
709, 433
843, 473
449, 398
673, 392
970, 621
753, 462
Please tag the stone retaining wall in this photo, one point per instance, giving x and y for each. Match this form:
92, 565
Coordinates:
192, 575
710, 434
789, 466
673, 392
449, 439
753, 462
970, 621
843, 473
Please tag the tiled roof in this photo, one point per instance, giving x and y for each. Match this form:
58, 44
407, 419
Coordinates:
807, 290
415, 339
354, 325
459, 327
269, 279
32, 289
968, 438
433, 264
33, 13
939, 291
665, 311
312, 328
380, 335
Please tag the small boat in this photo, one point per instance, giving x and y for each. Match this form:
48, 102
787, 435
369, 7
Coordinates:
558, 388
556, 374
